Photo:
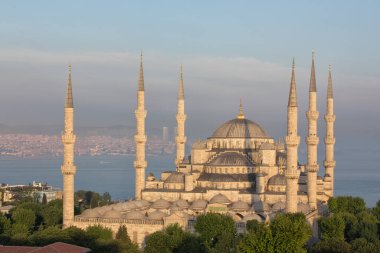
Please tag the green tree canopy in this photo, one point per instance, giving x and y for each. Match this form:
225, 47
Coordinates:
99, 232
331, 227
331, 246
24, 217
348, 204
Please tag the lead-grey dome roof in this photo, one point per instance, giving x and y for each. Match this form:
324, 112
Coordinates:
231, 159
278, 179
239, 128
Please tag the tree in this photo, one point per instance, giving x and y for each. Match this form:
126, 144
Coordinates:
99, 232
44, 199
50, 235
122, 234
190, 244
348, 204
350, 225
157, 242
361, 245
290, 232
105, 199
331, 227
5, 224
24, 217
80, 237
217, 232
367, 226
331, 246
259, 239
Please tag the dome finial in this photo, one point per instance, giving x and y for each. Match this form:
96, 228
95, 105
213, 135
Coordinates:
241, 112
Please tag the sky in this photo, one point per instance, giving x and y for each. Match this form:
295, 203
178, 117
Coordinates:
230, 50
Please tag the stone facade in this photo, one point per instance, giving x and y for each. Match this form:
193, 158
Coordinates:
239, 170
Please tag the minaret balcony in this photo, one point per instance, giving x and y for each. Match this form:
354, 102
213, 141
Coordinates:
180, 139
140, 138
312, 115
312, 140
292, 140
140, 113
181, 117
329, 164
330, 140
68, 138
140, 164
330, 118
68, 169
312, 168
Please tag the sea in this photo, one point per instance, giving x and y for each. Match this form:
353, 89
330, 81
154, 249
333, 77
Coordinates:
357, 172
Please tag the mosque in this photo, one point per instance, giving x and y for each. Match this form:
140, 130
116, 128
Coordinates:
239, 170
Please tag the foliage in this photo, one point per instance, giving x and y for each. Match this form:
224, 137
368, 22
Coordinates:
348, 204
99, 232
290, 232
350, 225
49, 235
157, 242
5, 224
361, 245
190, 244
258, 240
367, 226
331, 246
332, 227
217, 232
24, 217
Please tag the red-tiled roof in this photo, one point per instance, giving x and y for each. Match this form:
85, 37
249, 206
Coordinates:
58, 247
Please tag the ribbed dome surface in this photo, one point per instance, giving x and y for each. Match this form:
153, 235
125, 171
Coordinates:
156, 215
231, 159
161, 204
240, 206
90, 213
175, 177
279, 206
112, 214
220, 199
134, 215
181, 203
199, 204
277, 180
239, 128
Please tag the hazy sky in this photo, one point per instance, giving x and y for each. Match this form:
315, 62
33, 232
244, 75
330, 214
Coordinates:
229, 50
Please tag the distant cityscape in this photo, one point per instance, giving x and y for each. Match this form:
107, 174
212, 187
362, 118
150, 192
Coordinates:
30, 145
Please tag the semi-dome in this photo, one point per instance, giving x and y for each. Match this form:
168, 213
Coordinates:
134, 215
278, 179
252, 216
161, 204
220, 199
240, 206
260, 207
239, 128
181, 203
112, 214
278, 206
231, 158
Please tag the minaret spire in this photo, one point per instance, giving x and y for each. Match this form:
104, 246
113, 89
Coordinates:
312, 140
68, 167
140, 138
181, 118
241, 112
292, 141
330, 117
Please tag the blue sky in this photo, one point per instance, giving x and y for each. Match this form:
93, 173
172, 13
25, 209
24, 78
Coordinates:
230, 50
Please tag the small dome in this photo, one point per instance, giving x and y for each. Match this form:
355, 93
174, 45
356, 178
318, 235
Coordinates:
118, 207
278, 206
141, 204
252, 216
277, 180
134, 215
161, 204
90, 213
260, 207
199, 204
240, 206
231, 158
303, 208
239, 128
220, 199
181, 203
151, 177
156, 215
112, 214
176, 177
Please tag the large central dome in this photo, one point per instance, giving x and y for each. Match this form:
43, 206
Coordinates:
239, 128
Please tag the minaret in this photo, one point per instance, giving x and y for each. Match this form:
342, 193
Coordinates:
140, 137
329, 163
181, 118
312, 140
68, 167
292, 141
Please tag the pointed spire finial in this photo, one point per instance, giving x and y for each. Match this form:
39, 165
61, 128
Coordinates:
181, 92
293, 92
329, 86
141, 77
69, 92
313, 83
241, 112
